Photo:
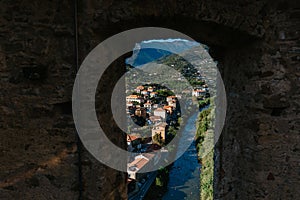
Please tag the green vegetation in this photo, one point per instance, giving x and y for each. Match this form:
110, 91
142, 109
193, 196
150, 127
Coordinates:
203, 125
159, 186
204, 135
158, 139
179, 121
164, 92
172, 131
162, 177
171, 134
194, 82
135, 103
204, 102
206, 177
184, 67
204, 141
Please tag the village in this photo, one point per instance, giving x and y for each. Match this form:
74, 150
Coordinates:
156, 111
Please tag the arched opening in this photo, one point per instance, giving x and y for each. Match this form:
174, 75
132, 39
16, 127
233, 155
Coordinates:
222, 48
255, 44
166, 120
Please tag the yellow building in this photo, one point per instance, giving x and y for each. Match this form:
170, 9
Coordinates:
159, 129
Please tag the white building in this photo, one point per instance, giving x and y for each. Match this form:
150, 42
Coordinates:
153, 94
160, 112
172, 103
144, 161
150, 89
148, 105
132, 98
170, 98
144, 92
199, 92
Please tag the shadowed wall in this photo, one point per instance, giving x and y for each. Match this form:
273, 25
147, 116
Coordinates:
255, 42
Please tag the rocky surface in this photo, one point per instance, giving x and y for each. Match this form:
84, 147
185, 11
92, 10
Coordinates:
255, 42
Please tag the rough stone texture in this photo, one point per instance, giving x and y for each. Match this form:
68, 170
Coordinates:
258, 155
37, 140
255, 42
39, 157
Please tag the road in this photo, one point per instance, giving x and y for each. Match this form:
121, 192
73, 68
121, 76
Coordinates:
145, 187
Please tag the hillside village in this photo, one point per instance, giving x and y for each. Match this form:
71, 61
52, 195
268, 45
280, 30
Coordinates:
157, 112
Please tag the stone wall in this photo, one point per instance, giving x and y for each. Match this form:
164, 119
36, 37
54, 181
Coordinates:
38, 143
258, 154
255, 42
37, 140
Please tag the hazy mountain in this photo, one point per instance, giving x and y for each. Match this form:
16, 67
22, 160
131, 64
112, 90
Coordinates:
151, 50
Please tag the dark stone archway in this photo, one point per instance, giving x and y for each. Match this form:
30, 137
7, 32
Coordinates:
256, 44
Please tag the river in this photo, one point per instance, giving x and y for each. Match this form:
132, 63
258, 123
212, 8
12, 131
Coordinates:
184, 176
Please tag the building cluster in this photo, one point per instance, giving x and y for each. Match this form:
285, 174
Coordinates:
201, 92
147, 107
156, 113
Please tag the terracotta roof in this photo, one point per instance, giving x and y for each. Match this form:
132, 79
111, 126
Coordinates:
168, 107
134, 96
140, 87
139, 163
131, 137
199, 90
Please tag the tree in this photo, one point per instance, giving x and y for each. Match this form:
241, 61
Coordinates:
158, 139
172, 131
135, 103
